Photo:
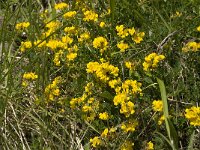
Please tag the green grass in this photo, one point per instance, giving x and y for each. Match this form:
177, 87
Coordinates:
29, 120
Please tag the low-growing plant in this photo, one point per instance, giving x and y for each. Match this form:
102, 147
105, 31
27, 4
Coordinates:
100, 75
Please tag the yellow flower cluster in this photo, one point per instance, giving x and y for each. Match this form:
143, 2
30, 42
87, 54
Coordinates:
52, 90
105, 132
122, 46
61, 6
80, 100
89, 105
138, 37
57, 56
84, 37
55, 44
123, 94
95, 141
122, 32
104, 116
151, 61
129, 126
90, 15
52, 27
114, 83
69, 14
157, 105
22, 25
72, 53
39, 43
103, 71
100, 43
28, 77
193, 115
129, 65
131, 87
71, 30
25, 45
191, 46
150, 146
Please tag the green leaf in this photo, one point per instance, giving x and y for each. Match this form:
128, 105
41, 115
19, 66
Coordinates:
106, 95
164, 97
191, 142
172, 134
164, 137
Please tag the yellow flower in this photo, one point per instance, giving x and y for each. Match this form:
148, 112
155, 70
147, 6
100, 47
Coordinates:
127, 108
137, 38
90, 16
25, 45
131, 31
67, 40
151, 61
86, 108
113, 83
191, 46
57, 56
100, 43
71, 56
30, 76
70, 30
104, 116
69, 14
22, 25
131, 87
40, 43
121, 32
129, 65
104, 133
60, 6
193, 115
103, 71
129, 126
102, 24
95, 141
52, 90
157, 105
84, 36
73, 102
24, 83
161, 119
53, 25
198, 28
112, 130
122, 46
54, 44
120, 98
150, 146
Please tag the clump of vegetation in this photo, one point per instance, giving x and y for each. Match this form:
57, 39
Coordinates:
100, 75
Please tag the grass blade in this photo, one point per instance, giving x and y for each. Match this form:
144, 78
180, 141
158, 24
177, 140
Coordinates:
112, 8
172, 134
191, 142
